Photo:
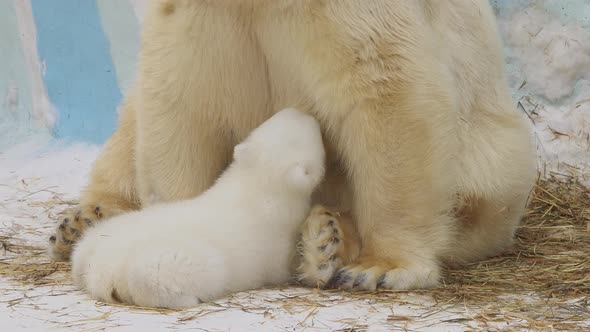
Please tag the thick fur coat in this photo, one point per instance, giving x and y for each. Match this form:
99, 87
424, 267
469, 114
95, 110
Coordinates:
427, 159
240, 234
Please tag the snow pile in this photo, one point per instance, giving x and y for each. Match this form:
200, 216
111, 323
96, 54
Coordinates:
55, 165
549, 68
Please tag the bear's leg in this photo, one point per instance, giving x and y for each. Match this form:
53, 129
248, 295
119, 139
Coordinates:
111, 189
402, 181
203, 88
498, 173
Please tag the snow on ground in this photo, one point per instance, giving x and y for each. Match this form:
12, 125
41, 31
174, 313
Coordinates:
548, 62
38, 182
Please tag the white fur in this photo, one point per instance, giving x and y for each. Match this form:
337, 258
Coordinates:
425, 149
238, 235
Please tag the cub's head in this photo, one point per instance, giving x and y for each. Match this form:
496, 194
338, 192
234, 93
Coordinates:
286, 149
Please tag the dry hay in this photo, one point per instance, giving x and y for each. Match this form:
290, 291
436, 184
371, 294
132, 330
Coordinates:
544, 281
30, 265
551, 256
550, 262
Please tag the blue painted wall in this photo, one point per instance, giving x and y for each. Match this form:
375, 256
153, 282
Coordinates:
80, 76
64, 67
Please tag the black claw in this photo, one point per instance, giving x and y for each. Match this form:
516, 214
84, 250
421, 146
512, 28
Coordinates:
323, 266
381, 282
88, 221
322, 248
52, 239
115, 296
331, 284
359, 280
333, 258
335, 240
66, 240
336, 231
331, 223
62, 227
66, 220
343, 276
78, 214
334, 281
97, 211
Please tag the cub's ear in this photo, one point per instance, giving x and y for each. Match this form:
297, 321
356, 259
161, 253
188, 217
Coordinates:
299, 176
243, 153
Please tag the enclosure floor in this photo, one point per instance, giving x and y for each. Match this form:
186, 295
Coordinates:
37, 184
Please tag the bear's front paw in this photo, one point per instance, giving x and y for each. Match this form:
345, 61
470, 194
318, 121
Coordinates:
320, 247
370, 274
70, 229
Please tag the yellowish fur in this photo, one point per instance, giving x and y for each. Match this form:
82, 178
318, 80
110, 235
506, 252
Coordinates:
424, 146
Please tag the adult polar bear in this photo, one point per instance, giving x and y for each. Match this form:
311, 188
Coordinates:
423, 143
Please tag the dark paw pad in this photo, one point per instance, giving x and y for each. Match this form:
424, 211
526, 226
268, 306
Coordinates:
342, 277
381, 282
359, 280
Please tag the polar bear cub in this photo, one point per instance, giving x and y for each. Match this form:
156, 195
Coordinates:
240, 234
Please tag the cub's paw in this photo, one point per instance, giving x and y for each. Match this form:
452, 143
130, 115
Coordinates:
320, 247
371, 275
70, 229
